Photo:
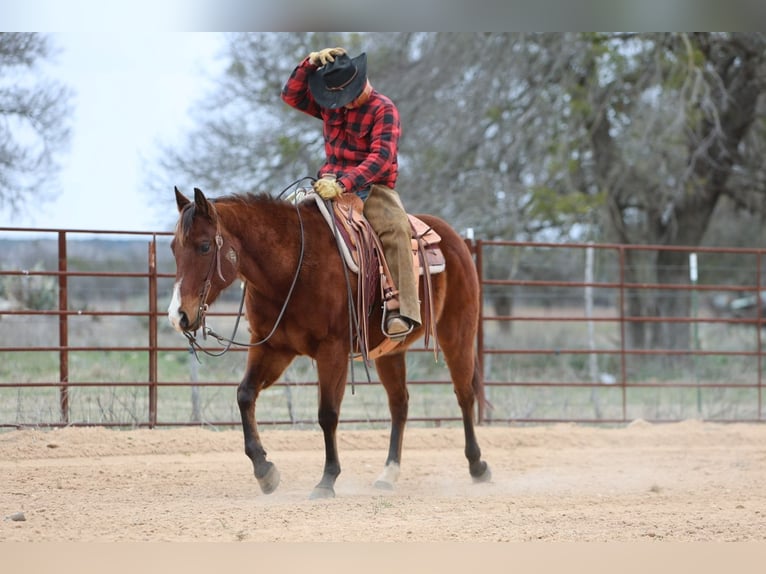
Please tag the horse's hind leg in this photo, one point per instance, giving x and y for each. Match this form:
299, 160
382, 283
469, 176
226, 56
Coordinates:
392, 371
460, 357
262, 370
478, 468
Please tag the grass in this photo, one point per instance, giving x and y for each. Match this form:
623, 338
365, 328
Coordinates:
295, 403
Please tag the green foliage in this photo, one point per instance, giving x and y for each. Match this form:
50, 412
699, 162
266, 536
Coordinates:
35, 292
288, 147
555, 208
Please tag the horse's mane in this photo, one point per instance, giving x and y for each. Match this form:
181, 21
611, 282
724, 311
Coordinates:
247, 199
243, 200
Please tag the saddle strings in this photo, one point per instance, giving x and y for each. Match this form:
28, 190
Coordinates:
353, 319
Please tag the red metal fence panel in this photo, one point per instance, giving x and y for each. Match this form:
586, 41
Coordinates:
710, 355
569, 332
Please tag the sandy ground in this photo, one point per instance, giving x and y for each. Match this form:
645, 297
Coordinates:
688, 481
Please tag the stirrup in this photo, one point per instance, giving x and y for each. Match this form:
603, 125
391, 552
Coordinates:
397, 334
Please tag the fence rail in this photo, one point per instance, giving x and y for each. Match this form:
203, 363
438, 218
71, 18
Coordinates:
569, 332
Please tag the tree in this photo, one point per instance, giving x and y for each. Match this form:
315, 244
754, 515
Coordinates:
34, 121
671, 129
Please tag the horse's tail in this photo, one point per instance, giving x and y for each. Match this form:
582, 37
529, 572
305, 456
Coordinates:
477, 383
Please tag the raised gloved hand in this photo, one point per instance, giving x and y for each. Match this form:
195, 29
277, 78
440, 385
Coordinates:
325, 56
328, 188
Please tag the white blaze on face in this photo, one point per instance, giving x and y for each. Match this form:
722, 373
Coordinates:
175, 304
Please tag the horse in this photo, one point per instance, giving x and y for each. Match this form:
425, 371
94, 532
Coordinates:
296, 300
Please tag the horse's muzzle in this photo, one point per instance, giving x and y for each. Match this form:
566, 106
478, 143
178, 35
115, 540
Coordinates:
189, 326
183, 322
180, 320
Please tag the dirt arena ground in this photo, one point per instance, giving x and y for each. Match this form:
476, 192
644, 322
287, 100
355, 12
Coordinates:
687, 481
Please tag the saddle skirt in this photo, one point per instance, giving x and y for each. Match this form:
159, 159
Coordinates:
363, 255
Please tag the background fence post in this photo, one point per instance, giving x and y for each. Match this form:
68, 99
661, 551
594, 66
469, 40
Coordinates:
63, 329
623, 343
153, 332
759, 331
477, 249
693, 276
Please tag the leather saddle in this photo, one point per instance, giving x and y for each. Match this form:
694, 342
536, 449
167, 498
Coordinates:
363, 255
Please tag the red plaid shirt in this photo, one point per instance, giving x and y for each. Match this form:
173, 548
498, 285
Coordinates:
360, 144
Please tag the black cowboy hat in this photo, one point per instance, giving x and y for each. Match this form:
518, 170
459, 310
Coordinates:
340, 82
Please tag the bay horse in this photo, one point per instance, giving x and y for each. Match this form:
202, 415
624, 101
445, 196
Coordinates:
296, 302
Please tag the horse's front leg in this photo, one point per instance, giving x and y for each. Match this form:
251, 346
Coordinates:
263, 368
332, 384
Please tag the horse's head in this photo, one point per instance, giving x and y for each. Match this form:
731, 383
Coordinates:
206, 261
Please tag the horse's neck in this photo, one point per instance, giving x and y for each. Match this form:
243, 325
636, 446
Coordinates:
269, 241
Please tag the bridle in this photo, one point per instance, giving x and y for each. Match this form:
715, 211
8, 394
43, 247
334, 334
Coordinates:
205, 290
215, 266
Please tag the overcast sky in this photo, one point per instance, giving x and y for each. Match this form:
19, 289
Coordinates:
132, 90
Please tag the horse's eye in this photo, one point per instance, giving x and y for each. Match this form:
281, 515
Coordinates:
204, 247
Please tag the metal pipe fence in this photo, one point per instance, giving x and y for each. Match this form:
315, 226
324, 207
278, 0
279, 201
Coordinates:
710, 356
581, 333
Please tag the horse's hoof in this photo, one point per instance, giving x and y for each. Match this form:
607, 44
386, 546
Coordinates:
383, 485
320, 492
483, 475
388, 477
270, 480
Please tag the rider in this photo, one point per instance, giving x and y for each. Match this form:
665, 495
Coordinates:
361, 135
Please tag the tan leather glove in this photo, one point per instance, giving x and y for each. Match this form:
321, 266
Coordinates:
328, 188
323, 57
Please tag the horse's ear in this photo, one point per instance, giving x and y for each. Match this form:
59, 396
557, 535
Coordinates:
181, 200
201, 201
